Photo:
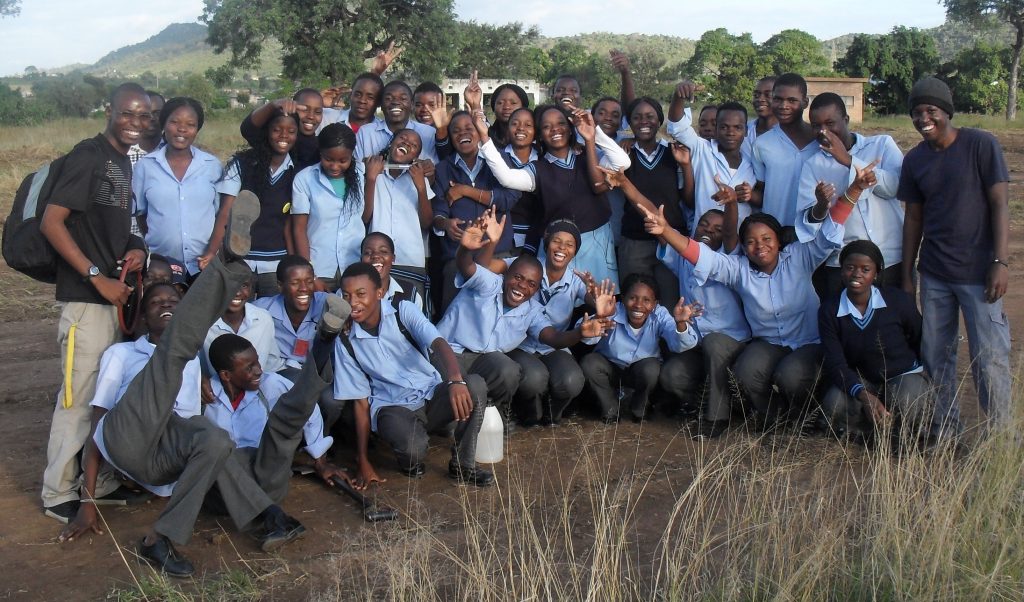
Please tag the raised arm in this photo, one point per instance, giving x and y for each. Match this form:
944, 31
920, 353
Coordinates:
620, 62
374, 168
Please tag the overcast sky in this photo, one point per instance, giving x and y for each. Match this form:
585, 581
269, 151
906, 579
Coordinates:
54, 33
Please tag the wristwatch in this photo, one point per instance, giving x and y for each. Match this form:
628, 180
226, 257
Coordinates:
1001, 262
92, 273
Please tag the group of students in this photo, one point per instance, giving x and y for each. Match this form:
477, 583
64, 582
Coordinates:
392, 276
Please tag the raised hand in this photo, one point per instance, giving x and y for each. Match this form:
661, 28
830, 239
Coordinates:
725, 194
613, 177
384, 58
824, 192
588, 281
473, 95
831, 144
374, 167
865, 176
474, 237
681, 153
654, 223
684, 313
620, 62
441, 116
685, 90
453, 228
604, 298
493, 227
744, 192
592, 327
333, 97
288, 106
584, 123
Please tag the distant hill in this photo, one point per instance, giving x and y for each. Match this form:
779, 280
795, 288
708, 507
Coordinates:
182, 48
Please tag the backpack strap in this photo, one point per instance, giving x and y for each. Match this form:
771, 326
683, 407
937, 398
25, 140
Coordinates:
396, 302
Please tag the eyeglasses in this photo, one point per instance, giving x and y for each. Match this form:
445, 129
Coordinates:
128, 116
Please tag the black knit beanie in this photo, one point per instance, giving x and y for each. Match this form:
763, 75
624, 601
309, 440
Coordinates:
931, 91
563, 225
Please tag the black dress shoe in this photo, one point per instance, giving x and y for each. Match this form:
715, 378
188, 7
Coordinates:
278, 529
471, 475
163, 557
415, 471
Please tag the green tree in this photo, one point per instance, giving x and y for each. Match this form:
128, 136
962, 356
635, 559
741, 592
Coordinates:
795, 51
329, 40
199, 88
1007, 11
893, 62
69, 95
10, 8
978, 78
494, 51
727, 66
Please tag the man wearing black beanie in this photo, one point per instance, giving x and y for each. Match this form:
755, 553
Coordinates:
954, 184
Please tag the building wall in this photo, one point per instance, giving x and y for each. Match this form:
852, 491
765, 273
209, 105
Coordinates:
850, 89
453, 90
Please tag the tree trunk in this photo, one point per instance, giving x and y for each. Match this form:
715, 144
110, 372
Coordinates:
1018, 48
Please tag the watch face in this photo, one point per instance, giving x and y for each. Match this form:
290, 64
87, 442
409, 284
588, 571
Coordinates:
94, 271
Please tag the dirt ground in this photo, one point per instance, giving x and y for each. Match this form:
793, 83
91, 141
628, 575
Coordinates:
36, 567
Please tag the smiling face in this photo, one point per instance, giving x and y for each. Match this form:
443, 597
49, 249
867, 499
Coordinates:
245, 373
644, 122
761, 246
397, 105
377, 252
505, 104
931, 122
608, 117
127, 118
237, 303
709, 229
706, 126
334, 162
423, 103
788, 104
730, 130
464, 136
281, 134
297, 288
762, 101
567, 92
561, 250
181, 128
363, 100
521, 283
521, 129
159, 309
312, 115
639, 302
364, 296
858, 273
554, 130
405, 147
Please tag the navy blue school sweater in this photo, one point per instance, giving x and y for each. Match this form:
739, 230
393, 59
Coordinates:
859, 354
566, 194
658, 180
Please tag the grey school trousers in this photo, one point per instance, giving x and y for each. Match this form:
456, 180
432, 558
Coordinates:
406, 431
683, 375
152, 444
604, 379
909, 396
554, 375
501, 373
762, 367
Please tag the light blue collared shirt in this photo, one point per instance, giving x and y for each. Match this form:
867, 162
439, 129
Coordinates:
374, 137
335, 227
477, 320
623, 347
332, 115
559, 299
709, 162
257, 327
396, 213
847, 308
780, 307
179, 215
399, 375
723, 311
778, 163
246, 423
878, 215
293, 344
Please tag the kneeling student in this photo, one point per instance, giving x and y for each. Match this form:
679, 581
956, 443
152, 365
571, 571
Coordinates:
147, 440
382, 364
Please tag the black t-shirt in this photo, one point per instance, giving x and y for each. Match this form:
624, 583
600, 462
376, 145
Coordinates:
95, 183
952, 184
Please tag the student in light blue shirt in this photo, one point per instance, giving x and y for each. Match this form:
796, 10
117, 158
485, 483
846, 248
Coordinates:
780, 153
764, 119
399, 393
493, 315
363, 101
879, 214
774, 286
175, 187
630, 353
378, 250
396, 103
252, 323
716, 162
327, 208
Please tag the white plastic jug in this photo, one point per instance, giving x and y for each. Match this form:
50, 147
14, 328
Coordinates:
490, 445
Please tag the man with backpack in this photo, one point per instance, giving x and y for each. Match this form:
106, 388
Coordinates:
87, 221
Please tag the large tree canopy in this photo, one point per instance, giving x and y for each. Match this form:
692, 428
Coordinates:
328, 40
1007, 11
893, 62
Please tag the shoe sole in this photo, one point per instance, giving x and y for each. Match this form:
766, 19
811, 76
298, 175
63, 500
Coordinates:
272, 545
60, 519
244, 213
153, 565
337, 311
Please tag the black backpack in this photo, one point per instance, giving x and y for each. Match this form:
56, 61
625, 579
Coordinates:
24, 247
